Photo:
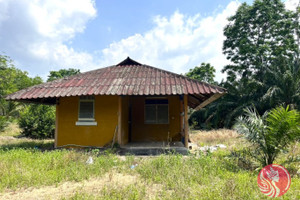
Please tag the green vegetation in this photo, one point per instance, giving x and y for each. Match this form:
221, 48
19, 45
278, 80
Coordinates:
62, 73
12, 80
265, 73
270, 134
32, 167
205, 73
3, 123
27, 163
38, 121
265, 67
12, 129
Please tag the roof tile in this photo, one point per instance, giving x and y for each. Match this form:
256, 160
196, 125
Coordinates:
128, 78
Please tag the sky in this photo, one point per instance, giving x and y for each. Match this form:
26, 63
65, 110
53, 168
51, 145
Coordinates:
174, 35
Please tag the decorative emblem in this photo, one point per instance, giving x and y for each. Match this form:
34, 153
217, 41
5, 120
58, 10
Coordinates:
274, 180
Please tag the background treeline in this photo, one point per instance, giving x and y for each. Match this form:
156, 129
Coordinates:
36, 121
262, 45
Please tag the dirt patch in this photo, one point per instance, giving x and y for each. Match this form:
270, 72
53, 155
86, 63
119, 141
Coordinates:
66, 189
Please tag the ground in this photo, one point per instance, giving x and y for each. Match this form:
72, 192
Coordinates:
30, 169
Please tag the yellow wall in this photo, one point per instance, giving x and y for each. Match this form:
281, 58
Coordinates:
155, 132
106, 115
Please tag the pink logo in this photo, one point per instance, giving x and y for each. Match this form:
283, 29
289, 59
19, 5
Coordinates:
274, 180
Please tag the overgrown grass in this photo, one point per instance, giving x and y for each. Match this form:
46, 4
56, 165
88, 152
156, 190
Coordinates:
222, 136
209, 177
25, 163
12, 129
30, 167
179, 177
7, 143
113, 193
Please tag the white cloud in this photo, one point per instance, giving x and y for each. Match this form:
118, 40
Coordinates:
292, 4
177, 43
38, 35
35, 32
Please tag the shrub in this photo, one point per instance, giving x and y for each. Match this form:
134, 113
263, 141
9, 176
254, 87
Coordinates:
271, 133
3, 123
38, 121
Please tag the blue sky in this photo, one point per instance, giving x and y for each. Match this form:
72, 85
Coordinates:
120, 19
44, 35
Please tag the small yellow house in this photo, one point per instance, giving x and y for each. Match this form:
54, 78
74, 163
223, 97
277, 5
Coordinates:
124, 103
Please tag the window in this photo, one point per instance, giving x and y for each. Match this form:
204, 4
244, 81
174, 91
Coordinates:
156, 111
86, 108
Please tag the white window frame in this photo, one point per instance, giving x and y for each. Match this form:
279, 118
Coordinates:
86, 99
156, 105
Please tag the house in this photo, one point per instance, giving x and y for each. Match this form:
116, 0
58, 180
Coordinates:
125, 103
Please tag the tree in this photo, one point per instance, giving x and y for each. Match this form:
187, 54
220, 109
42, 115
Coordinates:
269, 134
262, 43
283, 82
257, 36
38, 121
224, 111
205, 73
12, 80
62, 73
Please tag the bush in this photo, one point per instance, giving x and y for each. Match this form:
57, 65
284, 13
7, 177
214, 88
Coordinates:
3, 123
271, 133
38, 121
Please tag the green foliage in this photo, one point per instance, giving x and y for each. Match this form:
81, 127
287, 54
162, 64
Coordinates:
12, 80
25, 167
110, 192
283, 83
21, 168
223, 112
62, 73
205, 73
38, 121
3, 123
257, 36
271, 133
264, 52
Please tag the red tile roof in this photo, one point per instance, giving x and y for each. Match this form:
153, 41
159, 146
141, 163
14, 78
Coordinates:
126, 78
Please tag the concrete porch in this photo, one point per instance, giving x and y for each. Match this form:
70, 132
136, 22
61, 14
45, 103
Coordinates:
153, 148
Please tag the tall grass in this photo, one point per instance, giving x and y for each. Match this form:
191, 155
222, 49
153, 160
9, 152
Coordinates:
28, 163
213, 137
198, 177
29, 167
132, 192
12, 129
179, 177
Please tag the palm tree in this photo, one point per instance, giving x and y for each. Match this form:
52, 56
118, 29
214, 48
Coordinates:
283, 82
270, 133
